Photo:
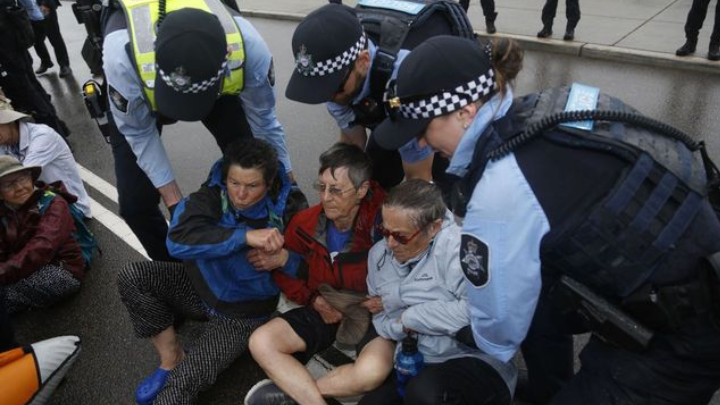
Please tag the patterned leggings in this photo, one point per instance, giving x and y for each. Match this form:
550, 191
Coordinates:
42, 289
154, 293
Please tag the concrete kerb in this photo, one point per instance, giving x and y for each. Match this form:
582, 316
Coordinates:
580, 49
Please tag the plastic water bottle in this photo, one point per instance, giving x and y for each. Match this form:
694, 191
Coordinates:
408, 363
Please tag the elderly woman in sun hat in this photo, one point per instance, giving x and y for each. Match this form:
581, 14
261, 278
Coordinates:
41, 262
38, 144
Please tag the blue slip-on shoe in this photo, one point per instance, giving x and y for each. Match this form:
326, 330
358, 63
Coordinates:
267, 393
150, 387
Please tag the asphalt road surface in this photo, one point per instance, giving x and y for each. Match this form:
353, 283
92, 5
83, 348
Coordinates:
113, 361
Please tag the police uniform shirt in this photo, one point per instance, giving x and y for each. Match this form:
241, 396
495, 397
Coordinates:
344, 115
499, 249
135, 120
522, 201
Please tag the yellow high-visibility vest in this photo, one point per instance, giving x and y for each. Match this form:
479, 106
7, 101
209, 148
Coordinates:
142, 16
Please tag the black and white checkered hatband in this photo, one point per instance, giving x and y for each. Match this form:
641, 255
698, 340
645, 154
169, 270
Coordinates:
183, 83
306, 67
447, 101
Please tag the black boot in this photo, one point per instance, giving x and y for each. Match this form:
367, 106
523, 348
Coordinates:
490, 24
687, 48
545, 32
714, 52
569, 34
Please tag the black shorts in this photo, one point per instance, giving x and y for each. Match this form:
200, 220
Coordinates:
317, 334
311, 328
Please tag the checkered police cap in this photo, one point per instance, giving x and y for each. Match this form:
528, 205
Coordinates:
183, 84
325, 44
307, 67
440, 76
447, 101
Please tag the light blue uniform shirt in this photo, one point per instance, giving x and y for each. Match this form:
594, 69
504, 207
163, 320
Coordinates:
505, 214
32, 9
412, 152
138, 124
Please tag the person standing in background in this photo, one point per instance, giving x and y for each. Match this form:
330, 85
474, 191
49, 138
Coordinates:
695, 19
51, 30
572, 12
488, 7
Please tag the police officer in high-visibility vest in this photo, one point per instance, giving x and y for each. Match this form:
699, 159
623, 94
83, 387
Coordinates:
187, 60
608, 209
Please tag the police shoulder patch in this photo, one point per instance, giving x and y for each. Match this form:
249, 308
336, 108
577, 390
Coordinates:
475, 260
120, 102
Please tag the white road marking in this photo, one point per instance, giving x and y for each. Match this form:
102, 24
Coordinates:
112, 222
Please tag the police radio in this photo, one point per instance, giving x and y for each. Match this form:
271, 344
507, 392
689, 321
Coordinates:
96, 104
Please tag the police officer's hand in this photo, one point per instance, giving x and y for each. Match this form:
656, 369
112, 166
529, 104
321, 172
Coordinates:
328, 313
268, 240
373, 304
265, 261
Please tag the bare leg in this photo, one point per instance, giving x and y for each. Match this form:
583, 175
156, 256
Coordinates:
272, 346
169, 348
367, 373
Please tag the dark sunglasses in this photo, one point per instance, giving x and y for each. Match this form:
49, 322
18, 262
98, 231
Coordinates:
401, 239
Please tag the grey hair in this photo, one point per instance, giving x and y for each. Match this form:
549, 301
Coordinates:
421, 200
349, 156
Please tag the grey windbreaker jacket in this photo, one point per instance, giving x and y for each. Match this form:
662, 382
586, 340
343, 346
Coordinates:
428, 294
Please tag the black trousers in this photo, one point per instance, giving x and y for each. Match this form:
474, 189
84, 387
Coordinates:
463, 381
548, 349
572, 13
696, 17
488, 7
137, 196
20, 84
50, 28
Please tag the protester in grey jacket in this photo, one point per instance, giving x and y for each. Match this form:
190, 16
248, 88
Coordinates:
414, 274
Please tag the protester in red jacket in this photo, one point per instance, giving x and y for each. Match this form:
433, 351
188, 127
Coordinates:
41, 262
306, 238
325, 244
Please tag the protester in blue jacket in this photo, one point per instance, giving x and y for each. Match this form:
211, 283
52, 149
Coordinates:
215, 231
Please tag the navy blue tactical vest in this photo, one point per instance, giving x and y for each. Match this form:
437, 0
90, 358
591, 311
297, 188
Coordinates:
649, 223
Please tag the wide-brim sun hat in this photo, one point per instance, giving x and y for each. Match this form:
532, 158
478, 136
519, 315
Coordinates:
325, 45
10, 165
439, 77
8, 114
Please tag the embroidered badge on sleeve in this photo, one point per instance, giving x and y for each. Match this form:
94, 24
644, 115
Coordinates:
475, 260
120, 102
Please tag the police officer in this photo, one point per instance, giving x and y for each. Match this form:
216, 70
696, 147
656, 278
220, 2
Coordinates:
616, 215
205, 64
333, 62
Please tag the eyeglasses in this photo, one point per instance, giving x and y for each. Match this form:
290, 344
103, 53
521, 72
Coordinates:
334, 191
401, 239
19, 180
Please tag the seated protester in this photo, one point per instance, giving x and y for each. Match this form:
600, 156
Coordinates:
326, 244
241, 207
416, 276
41, 262
38, 144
